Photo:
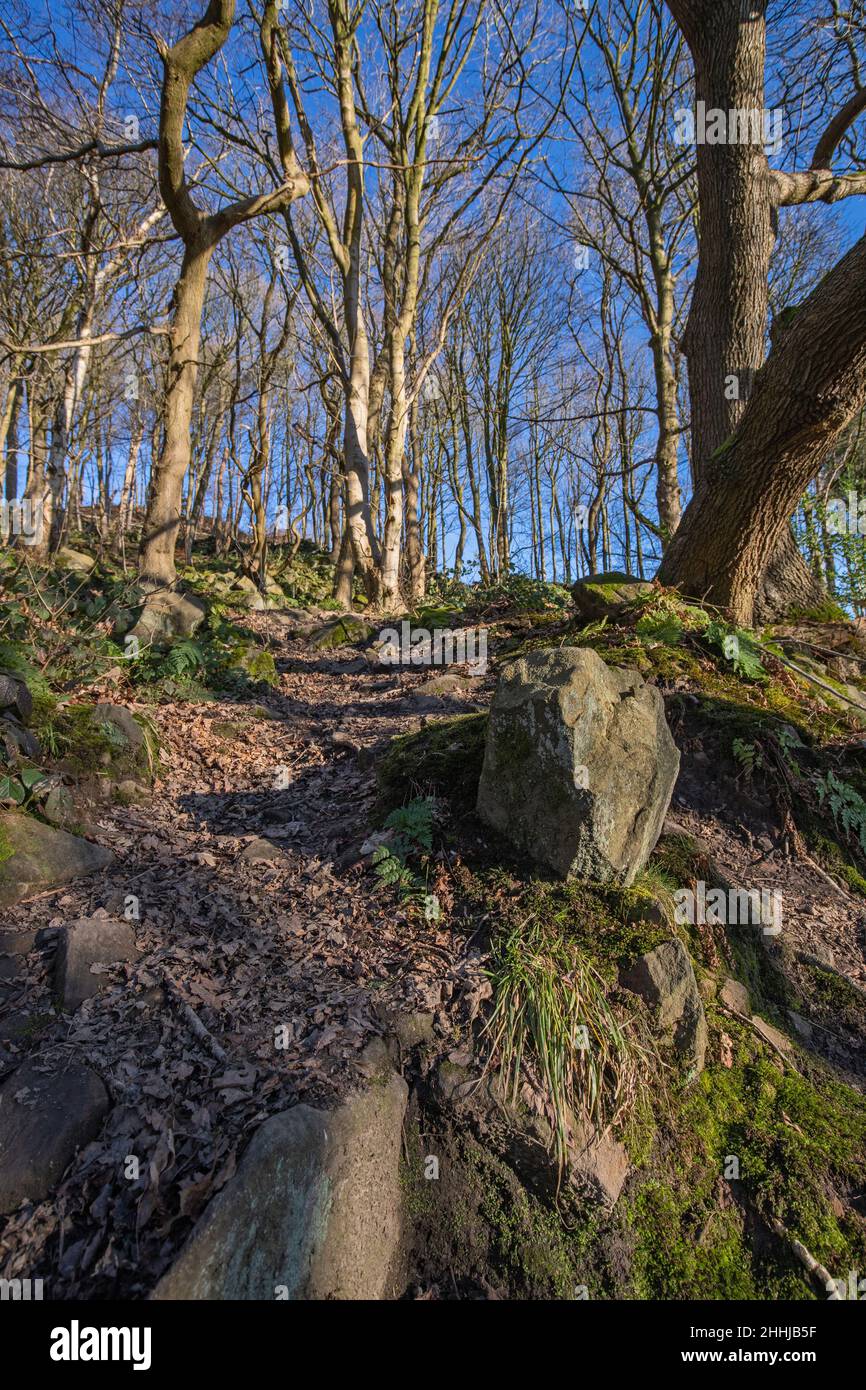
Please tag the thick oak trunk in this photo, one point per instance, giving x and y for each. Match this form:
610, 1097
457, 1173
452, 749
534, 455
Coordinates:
810, 387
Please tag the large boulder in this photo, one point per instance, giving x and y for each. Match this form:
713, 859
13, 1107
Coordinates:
606, 595
665, 979
579, 765
167, 615
76, 560
87, 943
35, 857
246, 594
44, 1118
313, 1212
344, 631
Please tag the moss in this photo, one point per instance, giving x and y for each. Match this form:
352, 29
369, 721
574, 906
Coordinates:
795, 1141
835, 999
444, 760
828, 612
477, 1227
345, 631
86, 744
6, 848
227, 728
255, 663
833, 858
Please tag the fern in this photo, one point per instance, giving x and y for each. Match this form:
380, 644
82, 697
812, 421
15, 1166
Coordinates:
740, 648
414, 826
845, 804
414, 822
660, 627
184, 658
747, 755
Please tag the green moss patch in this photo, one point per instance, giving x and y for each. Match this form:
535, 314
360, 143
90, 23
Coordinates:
442, 760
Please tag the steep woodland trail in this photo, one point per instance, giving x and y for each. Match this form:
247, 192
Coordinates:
270, 955
280, 942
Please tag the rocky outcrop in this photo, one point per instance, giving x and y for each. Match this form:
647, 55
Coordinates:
606, 595
665, 979
167, 615
313, 1212
44, 1118
90, 942
35, 857
579, 764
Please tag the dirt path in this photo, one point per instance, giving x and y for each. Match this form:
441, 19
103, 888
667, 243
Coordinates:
290, 957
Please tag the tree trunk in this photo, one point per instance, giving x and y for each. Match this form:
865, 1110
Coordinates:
162, 519
751, 461
812, 384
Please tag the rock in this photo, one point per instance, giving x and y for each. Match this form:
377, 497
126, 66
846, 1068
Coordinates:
606, 595
411, 1029
120, 718
735, 996
801, 1025
665, 978
15, 696
77, 560
167, 614
59, 807
262, 851
313, 1212
343, 631
255, 663
35, 857
44, 1119
844, 668
17, 739
446, 685
19, 1027
342, 738
600, 1161
14, 946
771, 1035
83, 944
246, 594
579, 764
128, 792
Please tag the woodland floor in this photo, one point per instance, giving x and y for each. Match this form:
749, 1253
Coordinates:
305, 938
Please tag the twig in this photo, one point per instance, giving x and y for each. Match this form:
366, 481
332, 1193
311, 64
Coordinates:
807, 1259
744, 1018
807, 676
832, 882
191, 1018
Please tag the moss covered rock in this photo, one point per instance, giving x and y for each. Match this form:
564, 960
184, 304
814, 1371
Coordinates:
579, 765
255, 663
345, 631
35, 857
606, 595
